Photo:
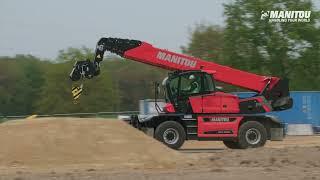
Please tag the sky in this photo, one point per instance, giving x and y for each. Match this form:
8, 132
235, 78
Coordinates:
42, 27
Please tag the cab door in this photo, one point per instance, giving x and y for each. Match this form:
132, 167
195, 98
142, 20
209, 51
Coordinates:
190, 90
207, 101
211, 101
194, 92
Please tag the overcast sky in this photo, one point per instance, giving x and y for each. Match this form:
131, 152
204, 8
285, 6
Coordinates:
43, 27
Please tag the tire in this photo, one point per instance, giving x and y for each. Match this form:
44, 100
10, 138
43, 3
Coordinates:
231, 144
171, 133
252, 134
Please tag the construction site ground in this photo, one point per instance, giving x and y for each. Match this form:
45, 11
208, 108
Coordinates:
93, 148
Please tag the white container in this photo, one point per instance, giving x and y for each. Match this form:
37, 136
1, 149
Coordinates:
147, 106
299, 129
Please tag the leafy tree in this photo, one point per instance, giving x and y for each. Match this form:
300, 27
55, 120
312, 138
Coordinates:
134, 81
75, 54
206, 42
281, 49
20, 81
98, 95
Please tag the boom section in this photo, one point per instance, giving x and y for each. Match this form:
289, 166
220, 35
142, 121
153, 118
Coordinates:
145, 53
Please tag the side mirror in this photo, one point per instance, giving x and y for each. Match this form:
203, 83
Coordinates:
157, 88
156, 94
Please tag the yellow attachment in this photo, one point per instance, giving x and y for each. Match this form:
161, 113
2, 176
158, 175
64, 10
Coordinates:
76, 92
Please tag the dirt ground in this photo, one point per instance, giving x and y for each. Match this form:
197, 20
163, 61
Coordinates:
83, 148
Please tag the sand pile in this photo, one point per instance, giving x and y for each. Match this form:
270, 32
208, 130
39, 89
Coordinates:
56, 142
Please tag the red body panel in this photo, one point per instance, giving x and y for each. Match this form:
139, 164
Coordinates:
196, 104
211, 103
229, 102
148, 54
217, 102
218, 126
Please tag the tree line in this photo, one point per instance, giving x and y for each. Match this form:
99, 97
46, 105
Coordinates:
30, 85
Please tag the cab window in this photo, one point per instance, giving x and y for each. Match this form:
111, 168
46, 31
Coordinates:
208, 85
174, 86
190, 84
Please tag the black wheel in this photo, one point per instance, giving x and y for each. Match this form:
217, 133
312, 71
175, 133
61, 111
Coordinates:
171, 133
252, 134
231, 144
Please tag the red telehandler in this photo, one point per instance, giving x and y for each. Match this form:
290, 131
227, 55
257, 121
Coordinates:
195, 109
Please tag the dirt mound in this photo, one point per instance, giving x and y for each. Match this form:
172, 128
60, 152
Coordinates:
70, 148
56, 142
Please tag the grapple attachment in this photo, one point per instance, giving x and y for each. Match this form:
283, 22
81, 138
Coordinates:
84, 69
81, 70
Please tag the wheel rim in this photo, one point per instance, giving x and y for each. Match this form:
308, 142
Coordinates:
170, 136
253, 136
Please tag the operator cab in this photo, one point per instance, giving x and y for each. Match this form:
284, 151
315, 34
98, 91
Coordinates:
180, 86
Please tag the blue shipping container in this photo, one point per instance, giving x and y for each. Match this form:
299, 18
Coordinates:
305, 110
